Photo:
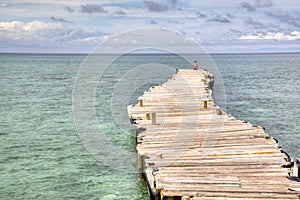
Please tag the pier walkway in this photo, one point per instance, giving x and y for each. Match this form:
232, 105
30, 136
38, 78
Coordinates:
190, 149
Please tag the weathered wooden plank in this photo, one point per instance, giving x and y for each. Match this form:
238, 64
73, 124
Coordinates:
254, 170
242, 196
228, 192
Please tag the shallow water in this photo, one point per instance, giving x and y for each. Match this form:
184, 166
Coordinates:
43, 156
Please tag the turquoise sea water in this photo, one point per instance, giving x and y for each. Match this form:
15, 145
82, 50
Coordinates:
264, 89
43, 157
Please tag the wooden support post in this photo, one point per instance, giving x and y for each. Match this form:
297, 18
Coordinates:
141, 102
158, 156
150, 181
160, 84
140, 165
153, 118
170, 198
205, 104
219, 111
161, 194
295, 169
147, 116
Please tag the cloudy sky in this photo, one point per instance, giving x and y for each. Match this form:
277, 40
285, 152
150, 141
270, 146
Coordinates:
220, 26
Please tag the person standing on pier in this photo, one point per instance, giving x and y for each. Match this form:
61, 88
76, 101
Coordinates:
195, 66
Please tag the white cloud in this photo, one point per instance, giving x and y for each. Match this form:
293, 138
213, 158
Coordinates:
38, 34
30, 23
93, 39
295, 35
192, 40
31, 30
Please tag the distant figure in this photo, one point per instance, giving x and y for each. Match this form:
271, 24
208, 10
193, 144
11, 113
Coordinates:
195, 66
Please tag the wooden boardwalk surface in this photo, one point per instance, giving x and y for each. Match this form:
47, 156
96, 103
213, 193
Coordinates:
190, 149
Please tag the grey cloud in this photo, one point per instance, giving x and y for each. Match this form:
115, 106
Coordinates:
264, 3
254, 23
220, 19
234, 30
174, 22
155, 7
92, 8
201, 15
285, 17
258, 4
248, 7
69, 9
279, 15
57, 19
183, 32
230, 15
174, 3
120, 12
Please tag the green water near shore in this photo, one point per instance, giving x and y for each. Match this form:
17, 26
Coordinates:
42, 156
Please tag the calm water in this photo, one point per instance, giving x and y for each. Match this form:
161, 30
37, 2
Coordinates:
43, 156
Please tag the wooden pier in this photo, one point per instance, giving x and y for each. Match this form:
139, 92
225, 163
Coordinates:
190, 149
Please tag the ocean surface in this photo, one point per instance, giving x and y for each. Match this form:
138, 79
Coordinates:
46, 101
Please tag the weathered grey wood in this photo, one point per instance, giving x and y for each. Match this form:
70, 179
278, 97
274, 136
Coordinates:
196, 151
